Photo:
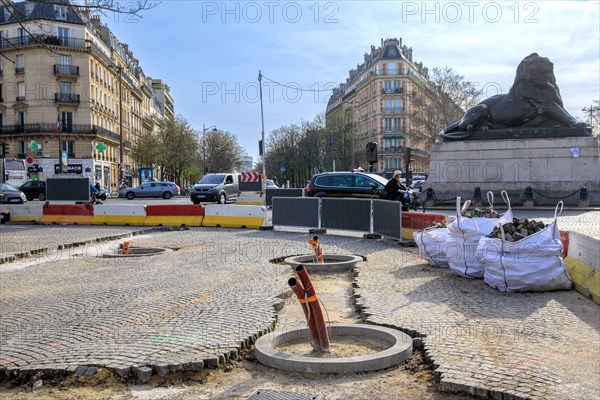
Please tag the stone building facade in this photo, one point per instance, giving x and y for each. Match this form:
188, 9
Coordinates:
376, 99
63, 73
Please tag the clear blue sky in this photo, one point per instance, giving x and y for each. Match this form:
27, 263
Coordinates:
209, 52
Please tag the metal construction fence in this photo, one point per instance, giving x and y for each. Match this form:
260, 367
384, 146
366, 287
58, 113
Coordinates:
381, 217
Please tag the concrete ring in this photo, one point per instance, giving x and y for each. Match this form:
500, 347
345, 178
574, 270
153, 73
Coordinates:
399, 350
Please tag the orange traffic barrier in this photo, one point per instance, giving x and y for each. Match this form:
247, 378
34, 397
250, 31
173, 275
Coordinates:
414, 222
125, 247
174, 215
314, 242
316, 314
302, 298
67, 214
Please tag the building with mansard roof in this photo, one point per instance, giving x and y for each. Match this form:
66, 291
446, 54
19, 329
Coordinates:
376, 99
69, 86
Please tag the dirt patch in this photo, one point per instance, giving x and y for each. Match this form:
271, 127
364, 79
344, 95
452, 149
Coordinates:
413, 379
344, 346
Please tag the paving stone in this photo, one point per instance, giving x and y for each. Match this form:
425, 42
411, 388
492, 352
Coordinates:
143, 374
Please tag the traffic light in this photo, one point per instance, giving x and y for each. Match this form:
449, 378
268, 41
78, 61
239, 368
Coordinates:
260, 148
407, 155
371, 152
4, 150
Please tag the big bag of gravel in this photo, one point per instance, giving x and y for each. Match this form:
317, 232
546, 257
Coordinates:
464, 234
531, 264
432, 245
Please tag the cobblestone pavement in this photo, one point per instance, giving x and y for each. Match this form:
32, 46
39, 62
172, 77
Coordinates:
199, 304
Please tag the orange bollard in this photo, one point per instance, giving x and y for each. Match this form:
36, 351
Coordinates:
314, 242
310, 321
125, 247
315, 309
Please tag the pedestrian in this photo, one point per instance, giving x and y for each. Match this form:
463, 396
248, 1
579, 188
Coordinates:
122, 185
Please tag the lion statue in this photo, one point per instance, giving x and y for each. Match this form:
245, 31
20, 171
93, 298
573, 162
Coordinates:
532, 101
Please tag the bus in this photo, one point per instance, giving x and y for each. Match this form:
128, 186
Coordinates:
13, 171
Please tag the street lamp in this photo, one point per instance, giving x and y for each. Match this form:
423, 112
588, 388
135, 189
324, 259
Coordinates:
204, 129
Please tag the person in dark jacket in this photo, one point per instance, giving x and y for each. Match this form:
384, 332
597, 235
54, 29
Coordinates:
393, 187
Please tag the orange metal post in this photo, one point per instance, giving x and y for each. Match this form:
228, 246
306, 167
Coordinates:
315, 309
314, 242
300, 293
125, 247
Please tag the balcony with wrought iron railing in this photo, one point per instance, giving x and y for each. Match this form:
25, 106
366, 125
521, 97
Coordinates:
66, 70
50, 129
41, 40
20, 70
66, 98
392, 110
392, 90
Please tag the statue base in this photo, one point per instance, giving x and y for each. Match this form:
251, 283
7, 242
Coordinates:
523, 133
556, 169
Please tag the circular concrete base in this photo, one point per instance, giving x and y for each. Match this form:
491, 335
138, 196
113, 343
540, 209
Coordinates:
136, 252
399, 350
331, 262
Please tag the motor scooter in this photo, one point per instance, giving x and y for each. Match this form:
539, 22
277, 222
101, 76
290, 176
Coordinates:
410, 199
97, 198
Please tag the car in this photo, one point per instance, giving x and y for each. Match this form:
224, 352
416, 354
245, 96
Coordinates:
218, 187
271, 184
34, 189
11, 195
347, 184
166, 190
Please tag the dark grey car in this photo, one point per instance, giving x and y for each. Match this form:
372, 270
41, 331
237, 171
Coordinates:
220, 188
11, 195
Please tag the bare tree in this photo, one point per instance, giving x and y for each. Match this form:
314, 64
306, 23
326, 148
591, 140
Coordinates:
441, 102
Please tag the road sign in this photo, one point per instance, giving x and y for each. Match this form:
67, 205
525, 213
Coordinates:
249, 177
282, 169
29, 160
101, 147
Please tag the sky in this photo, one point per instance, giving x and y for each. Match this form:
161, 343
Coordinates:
210, 52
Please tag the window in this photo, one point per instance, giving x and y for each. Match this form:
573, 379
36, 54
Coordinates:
1, 122
22, 151
66, 121
20, 68
392, 163
397, 105
1, 94
387, 86
63, 34
398, 86
66, 88
21, 121
341, 180
20, 91
392, 69
67, 146
60, 12
397, 125
21, 36
388, 125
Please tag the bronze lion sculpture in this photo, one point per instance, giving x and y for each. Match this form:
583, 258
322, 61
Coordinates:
532, 101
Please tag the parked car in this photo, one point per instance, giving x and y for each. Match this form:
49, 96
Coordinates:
271, 184
346, 184
11, 195
220, 188
166, 190
34, 190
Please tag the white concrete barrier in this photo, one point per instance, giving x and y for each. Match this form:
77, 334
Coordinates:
105, 214
24, 212
232, 216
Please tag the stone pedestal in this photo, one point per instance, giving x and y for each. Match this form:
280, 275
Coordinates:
555, 168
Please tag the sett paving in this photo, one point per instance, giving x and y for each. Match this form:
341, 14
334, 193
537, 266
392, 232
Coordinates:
216, 291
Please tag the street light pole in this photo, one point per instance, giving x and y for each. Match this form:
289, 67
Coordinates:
262, 119
204, 129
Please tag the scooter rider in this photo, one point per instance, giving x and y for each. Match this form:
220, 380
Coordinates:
93, 192
394, 188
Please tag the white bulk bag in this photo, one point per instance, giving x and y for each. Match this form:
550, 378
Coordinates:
464, 234
432, 246
533, 263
